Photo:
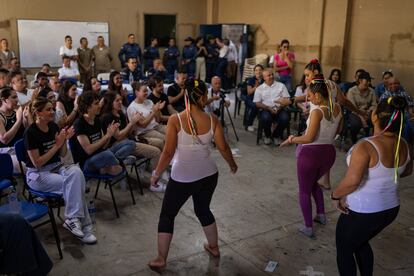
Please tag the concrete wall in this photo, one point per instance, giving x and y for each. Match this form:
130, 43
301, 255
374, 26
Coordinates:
347, 34
382, 37
124, 17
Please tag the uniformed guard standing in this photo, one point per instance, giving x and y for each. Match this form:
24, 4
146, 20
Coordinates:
130, 49
171, 56
151, 53
212, 57
189, 56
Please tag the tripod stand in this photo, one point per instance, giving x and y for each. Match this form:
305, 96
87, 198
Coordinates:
222, 107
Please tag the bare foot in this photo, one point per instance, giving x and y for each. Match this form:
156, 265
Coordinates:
157, 263
214, 251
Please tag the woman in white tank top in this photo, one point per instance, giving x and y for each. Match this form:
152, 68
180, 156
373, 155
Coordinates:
315, 153
194, 173
368, 194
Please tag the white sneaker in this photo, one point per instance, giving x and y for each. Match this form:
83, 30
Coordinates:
267, 141
277, 141
165, 176
250, 128
89, 238
74, 226
160, 188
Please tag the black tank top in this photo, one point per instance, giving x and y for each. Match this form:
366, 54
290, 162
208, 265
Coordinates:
9, 122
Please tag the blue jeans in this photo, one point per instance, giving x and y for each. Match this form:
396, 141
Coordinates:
123, 149
282, 120
251, 110
287, 81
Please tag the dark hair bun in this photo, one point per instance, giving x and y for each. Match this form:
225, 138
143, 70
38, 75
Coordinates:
189, 84
398, 103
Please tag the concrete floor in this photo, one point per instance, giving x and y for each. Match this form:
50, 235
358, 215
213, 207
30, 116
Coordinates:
257, 213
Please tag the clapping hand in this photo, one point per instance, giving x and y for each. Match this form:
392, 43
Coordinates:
70, 132
112, 128
60, 138
136, 117
161, 105
19, 114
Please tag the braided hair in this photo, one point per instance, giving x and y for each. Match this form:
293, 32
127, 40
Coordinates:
390, 113
314, 65
195, 90
318, 85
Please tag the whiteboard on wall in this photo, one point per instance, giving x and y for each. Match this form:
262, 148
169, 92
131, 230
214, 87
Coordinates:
40, 40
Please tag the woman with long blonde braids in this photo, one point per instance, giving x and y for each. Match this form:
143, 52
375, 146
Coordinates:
194, 172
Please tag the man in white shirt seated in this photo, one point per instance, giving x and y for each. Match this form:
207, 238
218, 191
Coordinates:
214, 97
272, 97
19, 84
67, 72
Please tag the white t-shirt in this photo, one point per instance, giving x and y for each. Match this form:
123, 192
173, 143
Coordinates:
145, 109
232, 53
65, 72
24, 98
266, 94
70, 53
223, 51
299, 91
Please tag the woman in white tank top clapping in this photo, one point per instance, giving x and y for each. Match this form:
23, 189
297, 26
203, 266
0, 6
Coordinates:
194, 172
367, 196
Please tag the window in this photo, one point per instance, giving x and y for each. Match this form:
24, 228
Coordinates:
159, 26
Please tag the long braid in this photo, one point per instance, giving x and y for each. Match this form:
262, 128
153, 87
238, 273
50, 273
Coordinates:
192, 95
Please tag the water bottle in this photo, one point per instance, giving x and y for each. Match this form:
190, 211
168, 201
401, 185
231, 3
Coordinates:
175, 75
92, 211
14, 202
131, 78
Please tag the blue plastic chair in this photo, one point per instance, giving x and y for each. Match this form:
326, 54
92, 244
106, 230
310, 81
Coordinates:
109, 180
6, 178
30, 211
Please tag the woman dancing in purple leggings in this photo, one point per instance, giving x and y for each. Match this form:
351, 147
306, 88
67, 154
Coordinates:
316, 153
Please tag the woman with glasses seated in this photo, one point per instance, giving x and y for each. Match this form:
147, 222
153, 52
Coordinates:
45, 144
283, 64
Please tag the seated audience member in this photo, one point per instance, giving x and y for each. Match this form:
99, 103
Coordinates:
55, 85
148, 126
335, 76
112, 111
50, 95
89, 143
151, 53
171, 56
272, 97
176, 92
252, 84
157, 95
363, 97
67, 72
85, 62
67, 106
115, 85
20, 86
214, 97
21, 252
11, 123
349, 85
92, 84
15, 67
42, 81
45, 144
302, 90
382, 86
67, 50
102, 55
132, 72
394, 89
5, 54
4, 78
158, 70
47, 70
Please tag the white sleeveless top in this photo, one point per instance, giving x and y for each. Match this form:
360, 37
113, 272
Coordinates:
192, 160
327, 128
377, 191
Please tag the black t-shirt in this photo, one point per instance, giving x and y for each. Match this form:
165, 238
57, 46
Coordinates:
173, 91
34, 138
94, 134
162, 98
106, 120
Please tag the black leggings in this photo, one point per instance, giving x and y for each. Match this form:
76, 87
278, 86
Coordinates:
177, 194
353, 233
